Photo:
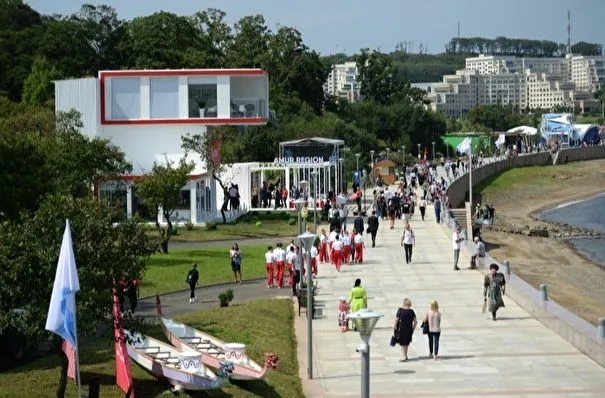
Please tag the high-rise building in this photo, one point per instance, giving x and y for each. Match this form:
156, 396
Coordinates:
343, 82
527, 83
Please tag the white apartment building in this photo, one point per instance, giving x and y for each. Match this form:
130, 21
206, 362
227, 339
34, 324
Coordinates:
343, 82
524, 82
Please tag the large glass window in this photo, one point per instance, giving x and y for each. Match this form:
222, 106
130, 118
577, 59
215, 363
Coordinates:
164, 96
125, 98
202, 97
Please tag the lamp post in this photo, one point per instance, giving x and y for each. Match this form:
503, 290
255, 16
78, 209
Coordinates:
365, 320
433, 149
387, 152
342, 174
314, 173
303, 188
419, 145
372, 174
307, 239
357, 155
299, 203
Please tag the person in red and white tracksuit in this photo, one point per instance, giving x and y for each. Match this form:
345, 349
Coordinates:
359, 246
270, 264
331, 239
314, 253
337, 253
323, 247
279, 256
346, 247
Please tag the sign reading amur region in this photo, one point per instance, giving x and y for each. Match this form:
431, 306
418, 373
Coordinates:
301, 160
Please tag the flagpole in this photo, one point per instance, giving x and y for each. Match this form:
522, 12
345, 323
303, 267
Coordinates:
470, 183
77, 356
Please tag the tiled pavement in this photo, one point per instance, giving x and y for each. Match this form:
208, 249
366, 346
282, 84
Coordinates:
513, 357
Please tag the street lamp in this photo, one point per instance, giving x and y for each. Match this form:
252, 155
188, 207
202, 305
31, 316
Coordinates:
365, 320
433, 149
342, 176
315, 173
307, 239
419, 145
357, 155
303, 187
372, 174
387, 152
299, 203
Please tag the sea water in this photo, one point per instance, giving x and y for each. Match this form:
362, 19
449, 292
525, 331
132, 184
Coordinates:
589, 213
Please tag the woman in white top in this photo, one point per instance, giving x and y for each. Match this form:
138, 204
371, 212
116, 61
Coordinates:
408, 240
236, 263
433, 319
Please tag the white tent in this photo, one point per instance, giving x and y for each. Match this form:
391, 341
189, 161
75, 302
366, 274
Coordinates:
524, 130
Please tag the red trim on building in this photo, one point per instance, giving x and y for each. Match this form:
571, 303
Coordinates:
183, 72
132, 177
203, 121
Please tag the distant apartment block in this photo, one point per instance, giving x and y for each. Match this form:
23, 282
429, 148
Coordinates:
343, 82
529, 83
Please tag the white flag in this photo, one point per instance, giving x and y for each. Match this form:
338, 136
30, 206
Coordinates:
464, 146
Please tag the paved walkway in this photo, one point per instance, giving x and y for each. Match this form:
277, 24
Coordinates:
513, 357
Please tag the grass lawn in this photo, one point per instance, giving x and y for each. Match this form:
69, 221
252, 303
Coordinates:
167, 272
273, 225
527, 176
263, 325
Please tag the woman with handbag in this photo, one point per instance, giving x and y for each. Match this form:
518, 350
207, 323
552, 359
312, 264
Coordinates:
404, 325
431, 326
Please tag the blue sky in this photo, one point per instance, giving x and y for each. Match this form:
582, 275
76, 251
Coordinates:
330, 26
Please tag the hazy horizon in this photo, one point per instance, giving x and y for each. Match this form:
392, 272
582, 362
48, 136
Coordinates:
337, 26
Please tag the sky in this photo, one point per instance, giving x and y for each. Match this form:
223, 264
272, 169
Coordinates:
330, 26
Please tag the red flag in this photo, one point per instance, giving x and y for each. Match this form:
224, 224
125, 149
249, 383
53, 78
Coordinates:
70, 352
123, 371
215, 153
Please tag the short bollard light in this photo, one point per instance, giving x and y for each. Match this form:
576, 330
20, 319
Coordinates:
506, 270
365, 321
601, 328
543, 293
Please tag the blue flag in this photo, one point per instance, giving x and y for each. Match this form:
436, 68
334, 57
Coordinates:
61, 318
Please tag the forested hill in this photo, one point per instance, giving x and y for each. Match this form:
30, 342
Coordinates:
422, 67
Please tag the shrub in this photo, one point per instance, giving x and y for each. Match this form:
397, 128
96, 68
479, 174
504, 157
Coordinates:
211, 226
226, 297
259, 224
189, 226
292, 221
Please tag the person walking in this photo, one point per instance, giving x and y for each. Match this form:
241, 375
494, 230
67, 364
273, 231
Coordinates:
408, 240
493, 288
479, 252
422, 207
359, 246
236, 263
373, 227
336, 255
358, 298
192, 277
270, 265
457, 238
323, 247
432, 323
279, 256
437, 206
404, 325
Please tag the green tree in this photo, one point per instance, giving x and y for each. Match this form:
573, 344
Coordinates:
161, 191
250, 43
215, 34
104, 251
38, 86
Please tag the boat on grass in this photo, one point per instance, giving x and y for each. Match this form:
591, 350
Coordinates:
214, 351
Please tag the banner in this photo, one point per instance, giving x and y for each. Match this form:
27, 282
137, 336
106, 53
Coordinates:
123, 371
70, 352
307, 153
215, 153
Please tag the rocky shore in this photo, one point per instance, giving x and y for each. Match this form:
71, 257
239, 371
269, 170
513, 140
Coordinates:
542, 229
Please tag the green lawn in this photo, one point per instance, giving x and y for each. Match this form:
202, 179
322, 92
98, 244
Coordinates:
263, 325
167, 272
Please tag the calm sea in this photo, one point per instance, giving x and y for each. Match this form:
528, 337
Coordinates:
587, 213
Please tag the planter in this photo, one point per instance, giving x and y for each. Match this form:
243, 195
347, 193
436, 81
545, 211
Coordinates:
224, 304
202, 112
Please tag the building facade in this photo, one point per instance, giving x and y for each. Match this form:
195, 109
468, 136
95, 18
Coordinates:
343, 82
146, 112
527, 83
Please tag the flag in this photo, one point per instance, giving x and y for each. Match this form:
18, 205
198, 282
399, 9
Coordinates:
70, 353
501, 140
464, 146
61, 318
215, 153
123, 371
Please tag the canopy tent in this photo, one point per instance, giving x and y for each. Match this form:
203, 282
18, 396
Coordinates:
477, 141
524, 130
588, 133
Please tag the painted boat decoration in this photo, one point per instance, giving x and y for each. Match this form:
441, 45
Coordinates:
214, 351
181, 368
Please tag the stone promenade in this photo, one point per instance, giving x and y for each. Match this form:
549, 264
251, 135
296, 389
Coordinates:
513, 357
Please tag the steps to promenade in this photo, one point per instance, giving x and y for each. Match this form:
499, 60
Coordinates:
515, 356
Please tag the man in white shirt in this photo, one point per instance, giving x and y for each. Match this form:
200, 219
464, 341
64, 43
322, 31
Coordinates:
342, 213
293, 258
323, 247
457, 238
408, 240
314, 253
331, 238
270, 264
279, 256
346, 247
337, 253
359, 246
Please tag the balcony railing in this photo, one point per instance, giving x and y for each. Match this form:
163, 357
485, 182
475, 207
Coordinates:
248, 107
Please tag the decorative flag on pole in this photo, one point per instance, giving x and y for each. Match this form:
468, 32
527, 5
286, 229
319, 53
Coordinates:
70, 353
465, 145
123, 371
215, 152
61, 318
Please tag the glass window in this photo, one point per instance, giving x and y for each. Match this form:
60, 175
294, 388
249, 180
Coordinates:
202, 97
164, 96
125, 98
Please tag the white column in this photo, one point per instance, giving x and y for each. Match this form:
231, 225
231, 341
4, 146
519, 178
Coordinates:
129, 201
145, 98
288, 179
193, 199
223, 96
160, 216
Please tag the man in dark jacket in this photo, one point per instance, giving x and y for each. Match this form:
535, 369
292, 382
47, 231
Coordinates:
373, 227
192, 277
358, 224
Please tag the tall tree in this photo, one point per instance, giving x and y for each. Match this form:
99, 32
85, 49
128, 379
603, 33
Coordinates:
38, 86
161, 192
249, 46
215, 35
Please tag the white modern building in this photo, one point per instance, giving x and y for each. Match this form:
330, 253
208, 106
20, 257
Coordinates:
343, 82
146, 112
524, 82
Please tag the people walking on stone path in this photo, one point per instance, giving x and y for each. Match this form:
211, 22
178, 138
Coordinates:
457, 238
236, 263
433, 319
437, 206
323, 247
343, 311
479, 252
270, 265
279, 254
331, 239
422, 207
373, 227
408, 241
404, 326
346, 247
359, 246
314, 254
192, 277
293, 258
358, 298
337, 253
358, 224
494, 286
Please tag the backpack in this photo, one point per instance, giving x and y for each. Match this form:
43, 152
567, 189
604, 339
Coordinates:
237, 260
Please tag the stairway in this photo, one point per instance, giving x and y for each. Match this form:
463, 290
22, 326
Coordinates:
460, 216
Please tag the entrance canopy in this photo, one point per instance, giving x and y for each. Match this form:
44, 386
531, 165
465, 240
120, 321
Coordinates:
310, 151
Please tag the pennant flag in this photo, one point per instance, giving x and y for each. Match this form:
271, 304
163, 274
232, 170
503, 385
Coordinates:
501, 140
61, 318
70, 352
215, 152
123, 371
464, 146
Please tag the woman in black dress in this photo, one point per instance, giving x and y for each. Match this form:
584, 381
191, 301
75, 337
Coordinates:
405, 323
